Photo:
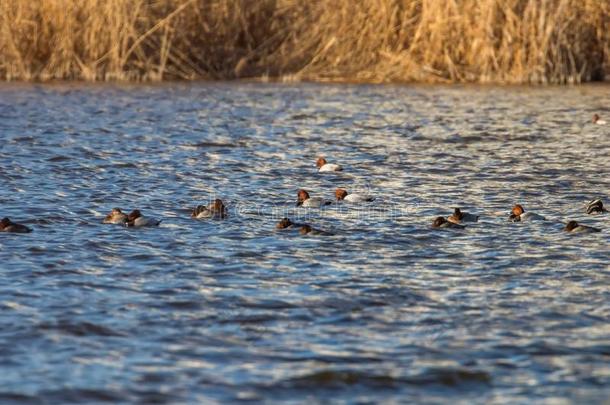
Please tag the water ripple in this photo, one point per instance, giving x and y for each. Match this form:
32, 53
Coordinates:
233, 310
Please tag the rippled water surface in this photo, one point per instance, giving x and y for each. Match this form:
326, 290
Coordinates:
232, 310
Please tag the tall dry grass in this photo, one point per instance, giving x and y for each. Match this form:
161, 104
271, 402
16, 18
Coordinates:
508, 41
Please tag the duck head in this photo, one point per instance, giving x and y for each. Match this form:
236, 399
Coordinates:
218, 205
595, 206
114, 213
438, 221
198, 210
571, 226
517, 210
305, 229
340, 194
302, 195
284, 223
5, 222
133, 215
219, 208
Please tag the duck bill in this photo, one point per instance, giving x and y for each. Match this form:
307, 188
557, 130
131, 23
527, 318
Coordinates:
299, 203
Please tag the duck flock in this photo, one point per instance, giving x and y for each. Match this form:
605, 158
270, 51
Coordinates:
217, 210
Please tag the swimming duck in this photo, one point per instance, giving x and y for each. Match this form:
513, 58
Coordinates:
342, 195
324, 166
308, 230
518, 214
573, 226
6, 225
458, 217
597, 120
440, 222
136, 219
596, 207
303, 200
285, 223
215, 209
116, 216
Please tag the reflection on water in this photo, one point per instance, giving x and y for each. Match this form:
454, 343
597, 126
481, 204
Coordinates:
387, 308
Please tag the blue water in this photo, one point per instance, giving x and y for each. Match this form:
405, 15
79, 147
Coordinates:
386, 309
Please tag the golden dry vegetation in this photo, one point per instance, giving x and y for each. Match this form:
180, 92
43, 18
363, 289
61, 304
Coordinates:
506, 41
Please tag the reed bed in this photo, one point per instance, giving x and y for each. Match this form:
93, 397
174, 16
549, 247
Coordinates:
500, 41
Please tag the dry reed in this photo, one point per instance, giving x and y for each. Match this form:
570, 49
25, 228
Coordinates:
506, 41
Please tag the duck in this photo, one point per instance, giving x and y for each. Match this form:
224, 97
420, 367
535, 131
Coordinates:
215, 209
441, 222
342, 195
458, 217
308, 230
286, 223
596, 207
575, 227
6, 225
518, 214
303, 200
136, 219
598, 120
116, 216
324, 166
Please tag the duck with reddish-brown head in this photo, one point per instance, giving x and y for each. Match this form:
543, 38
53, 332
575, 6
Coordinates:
342, 195
518, 214
6, 225
304, 200
598, 120
215, 209
136, 219
324, 166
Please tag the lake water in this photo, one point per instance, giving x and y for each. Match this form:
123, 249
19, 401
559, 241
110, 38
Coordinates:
387, 309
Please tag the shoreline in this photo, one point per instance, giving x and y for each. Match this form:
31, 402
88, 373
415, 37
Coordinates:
280, 82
